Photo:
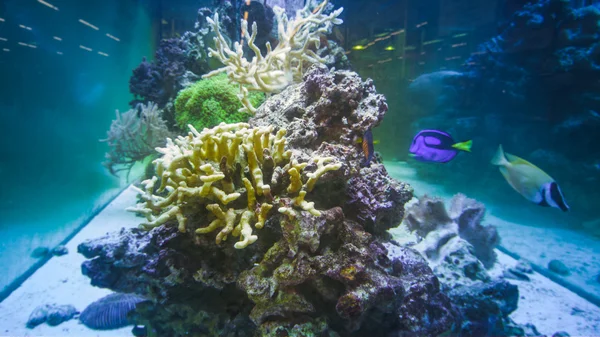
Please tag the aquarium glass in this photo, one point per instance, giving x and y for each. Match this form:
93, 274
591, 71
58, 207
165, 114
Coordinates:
305, 167
65, 71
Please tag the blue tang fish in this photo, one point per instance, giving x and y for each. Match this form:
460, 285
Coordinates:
436, 146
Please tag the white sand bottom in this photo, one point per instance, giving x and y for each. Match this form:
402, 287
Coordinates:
60, 281
543, 303
551, 307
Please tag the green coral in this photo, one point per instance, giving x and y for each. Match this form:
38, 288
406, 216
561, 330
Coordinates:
211, 101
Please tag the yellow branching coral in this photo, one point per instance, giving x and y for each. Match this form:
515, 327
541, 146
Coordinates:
321, 169
209, 172
281, 65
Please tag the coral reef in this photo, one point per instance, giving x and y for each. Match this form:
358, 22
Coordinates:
211, 101
316, 268
178, 62
458, 227
281, 65
133, 136
326, 113
206, 173
348, 281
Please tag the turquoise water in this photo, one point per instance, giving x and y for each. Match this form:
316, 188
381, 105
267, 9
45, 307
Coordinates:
57, 100
519, 74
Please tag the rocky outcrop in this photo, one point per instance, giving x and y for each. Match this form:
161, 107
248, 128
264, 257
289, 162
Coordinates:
460, 249
324, 115
326, 274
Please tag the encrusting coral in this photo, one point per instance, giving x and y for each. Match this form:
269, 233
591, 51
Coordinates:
133, 135
212, 169
281, 65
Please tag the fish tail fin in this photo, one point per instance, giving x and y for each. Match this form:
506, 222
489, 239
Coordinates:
499, 158
464, 146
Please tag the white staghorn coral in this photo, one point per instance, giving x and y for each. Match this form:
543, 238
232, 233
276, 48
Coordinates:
281, 65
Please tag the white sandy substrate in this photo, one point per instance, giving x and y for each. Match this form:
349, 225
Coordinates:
60, 281
551, 307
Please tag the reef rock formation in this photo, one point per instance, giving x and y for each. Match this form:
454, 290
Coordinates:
325, 114
459, 227
459, 249
324, 273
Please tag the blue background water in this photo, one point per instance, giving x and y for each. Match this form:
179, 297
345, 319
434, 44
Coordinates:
53, 110
523, 97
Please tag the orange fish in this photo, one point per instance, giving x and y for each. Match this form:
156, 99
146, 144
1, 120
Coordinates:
368, 149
